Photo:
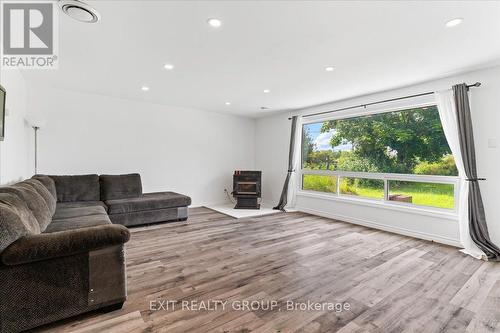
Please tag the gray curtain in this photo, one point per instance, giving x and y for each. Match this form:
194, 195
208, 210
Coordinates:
478, 228
284, 193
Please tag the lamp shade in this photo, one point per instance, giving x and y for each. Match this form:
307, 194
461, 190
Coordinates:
36, 120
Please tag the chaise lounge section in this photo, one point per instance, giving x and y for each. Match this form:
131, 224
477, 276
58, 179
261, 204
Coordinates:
127, 205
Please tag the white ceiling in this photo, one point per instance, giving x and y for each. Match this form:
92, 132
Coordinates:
283, 46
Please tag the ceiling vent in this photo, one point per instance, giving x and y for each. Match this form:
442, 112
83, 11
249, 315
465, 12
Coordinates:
79, 11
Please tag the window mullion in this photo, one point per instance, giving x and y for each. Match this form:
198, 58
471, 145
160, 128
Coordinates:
386, 189
338, 184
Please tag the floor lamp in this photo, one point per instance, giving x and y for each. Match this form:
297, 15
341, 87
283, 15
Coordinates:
36, 129
36, 125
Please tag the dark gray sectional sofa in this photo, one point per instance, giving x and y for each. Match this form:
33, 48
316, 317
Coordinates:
62, 244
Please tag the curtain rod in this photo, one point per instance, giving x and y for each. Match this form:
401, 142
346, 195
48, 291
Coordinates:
477, 84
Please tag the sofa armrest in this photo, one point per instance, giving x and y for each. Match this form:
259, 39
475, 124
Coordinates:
64, 243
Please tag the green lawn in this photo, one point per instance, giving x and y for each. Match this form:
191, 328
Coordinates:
320, 183
424, 194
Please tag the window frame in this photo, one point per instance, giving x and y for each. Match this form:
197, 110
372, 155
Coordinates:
386, 177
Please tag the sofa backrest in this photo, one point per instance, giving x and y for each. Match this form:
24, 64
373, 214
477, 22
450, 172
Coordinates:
120, 186
77, 188
48, 183
50, 200
22, 212
16, 220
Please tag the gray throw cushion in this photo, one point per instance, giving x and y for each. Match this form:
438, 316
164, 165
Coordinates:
43, 191
120, 186
33, 200
16, 220
48, 183
148, 201
22, 210
11, 226
77, 188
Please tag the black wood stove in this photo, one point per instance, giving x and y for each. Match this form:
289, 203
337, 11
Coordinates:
247, 189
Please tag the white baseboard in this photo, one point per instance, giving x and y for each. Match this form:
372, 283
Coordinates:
375, 225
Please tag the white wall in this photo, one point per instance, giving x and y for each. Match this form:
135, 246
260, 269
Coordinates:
15, 149
272, 140
185, 150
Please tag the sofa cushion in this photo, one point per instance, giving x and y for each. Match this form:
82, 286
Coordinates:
22, 210
65, 212
150, 216
120, 186
77, 188
77, 204
48, 183
77, 222
12, 226
43, 191
148, 201
34, 201
16, 220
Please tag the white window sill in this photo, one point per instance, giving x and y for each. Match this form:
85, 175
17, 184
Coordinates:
407, 208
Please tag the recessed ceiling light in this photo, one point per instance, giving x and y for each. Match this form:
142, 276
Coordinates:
454, 22
228, 103
145, 88
267, 91
213, 22
168, 67
329, 69
79, 11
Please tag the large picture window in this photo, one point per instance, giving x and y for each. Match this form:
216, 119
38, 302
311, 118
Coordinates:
398, 157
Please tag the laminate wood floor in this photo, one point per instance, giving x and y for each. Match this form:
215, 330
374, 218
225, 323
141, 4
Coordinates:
391, 283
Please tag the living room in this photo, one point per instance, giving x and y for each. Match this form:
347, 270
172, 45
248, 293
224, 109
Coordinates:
250, 166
